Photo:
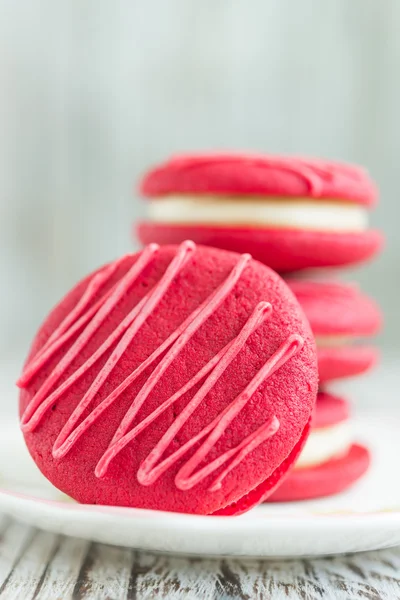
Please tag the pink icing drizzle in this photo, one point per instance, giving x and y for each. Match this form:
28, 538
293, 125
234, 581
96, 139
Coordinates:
90, 319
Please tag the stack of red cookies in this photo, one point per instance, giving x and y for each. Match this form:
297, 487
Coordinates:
292, 214
184, 377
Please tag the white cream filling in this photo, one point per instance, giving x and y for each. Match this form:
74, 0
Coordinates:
333, 341
297, 213
325, 443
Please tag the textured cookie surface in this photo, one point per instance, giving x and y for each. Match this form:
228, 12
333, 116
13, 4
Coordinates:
284, 250
179, 379
252, 174
327, 479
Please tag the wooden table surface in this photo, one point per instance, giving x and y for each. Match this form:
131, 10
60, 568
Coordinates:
45, 566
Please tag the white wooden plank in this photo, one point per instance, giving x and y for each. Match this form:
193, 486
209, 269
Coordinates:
277, 580
371, 576
62, 572
154, 576
374, 575
36, 565
104, 574
12, 543
30, 567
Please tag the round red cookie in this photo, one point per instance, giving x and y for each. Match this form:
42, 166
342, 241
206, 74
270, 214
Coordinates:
331, 476
329, 410
180, 379
284, 250
335, 308
346, 361
263, 175
326, 479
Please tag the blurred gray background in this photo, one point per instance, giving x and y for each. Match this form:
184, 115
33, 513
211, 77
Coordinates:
91, 93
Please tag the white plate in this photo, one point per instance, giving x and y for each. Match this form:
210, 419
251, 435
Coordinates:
365, 518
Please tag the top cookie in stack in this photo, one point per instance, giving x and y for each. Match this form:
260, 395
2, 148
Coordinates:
290, 213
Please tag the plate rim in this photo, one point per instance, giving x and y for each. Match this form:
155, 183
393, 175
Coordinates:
233, 532
218, 521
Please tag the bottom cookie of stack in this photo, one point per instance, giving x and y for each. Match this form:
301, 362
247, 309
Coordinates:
330, 461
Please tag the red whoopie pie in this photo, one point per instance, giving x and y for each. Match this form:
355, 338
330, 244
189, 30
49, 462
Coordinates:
181, 378
289, 212
330, 461
339, 313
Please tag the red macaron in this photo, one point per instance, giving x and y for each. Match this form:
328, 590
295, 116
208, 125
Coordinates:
284, 245
181, 378
260, 175
339, 314
331, 476
327, 479
329, 410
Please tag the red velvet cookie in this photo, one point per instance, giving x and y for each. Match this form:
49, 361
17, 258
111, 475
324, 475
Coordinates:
284, 250
338, 314
291, 213
329, 410
327, 479
345, 361
260, 175
330, 461
180, 379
